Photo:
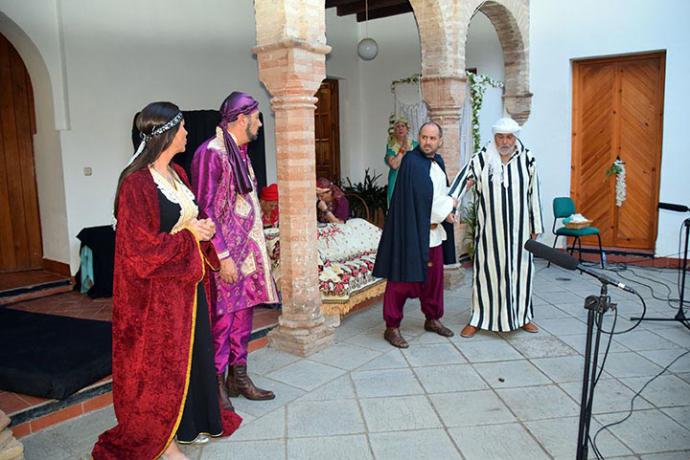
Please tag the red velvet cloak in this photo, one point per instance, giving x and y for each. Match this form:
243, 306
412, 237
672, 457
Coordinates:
154, 312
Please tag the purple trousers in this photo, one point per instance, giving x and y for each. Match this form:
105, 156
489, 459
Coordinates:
231, 333
429, 293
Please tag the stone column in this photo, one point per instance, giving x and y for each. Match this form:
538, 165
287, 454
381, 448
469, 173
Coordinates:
292, 71
10, 448
445, 96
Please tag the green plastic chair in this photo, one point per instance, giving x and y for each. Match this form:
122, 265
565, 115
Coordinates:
564, 207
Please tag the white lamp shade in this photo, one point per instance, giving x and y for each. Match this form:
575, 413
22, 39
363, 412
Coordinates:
367, 49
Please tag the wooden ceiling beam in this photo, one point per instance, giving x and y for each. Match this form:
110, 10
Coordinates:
385, 12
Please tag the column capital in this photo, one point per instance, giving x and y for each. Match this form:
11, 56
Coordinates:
444, 94
292, 67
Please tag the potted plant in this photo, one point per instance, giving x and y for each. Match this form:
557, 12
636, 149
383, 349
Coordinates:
374, 195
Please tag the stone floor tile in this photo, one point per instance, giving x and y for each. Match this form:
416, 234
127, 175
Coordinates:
563, 368
535, 403
559, 438
450, 378
393, 359
471, 408
507, 442
541, 346
390, 382
324, 418
344, 355
265, 450
495, 350
509, 374
284, 394
265, 360
340, 388
347, 447
270, 426
399, 413
648, 431
679, 414
665, 357
306, 374
432, 354
642, 340
664, 391
562, 326
422, 444
372, 339
629, 364
610, 395
579, 341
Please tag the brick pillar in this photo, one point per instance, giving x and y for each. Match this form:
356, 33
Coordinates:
10, 448
292, 71
445, 96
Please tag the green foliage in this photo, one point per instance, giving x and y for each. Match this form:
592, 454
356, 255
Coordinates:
374, 195
468, 216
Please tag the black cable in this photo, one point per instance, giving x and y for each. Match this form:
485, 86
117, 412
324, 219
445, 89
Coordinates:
637, 323
632, 401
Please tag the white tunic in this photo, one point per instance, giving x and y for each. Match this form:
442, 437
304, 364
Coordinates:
441, 206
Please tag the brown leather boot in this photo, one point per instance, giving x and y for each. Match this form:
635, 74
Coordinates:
434, 325
239, 383
223, 397
393, 336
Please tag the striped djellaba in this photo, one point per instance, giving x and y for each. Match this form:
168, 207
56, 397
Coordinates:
508, 212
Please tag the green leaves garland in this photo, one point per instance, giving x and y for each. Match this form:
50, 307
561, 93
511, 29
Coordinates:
478, 85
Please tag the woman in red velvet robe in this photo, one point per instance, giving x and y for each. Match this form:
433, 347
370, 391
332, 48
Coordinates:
163, 375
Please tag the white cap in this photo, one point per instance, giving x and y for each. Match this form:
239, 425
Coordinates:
505, 125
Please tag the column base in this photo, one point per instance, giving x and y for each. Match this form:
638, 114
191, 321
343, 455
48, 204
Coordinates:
301, 341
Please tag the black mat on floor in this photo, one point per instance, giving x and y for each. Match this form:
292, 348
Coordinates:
52, 356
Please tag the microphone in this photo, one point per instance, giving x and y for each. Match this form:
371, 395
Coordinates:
674, 207
569, 262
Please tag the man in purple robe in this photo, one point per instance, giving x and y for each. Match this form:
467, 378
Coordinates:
225, 188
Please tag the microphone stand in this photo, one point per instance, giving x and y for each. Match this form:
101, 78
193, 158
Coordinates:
680, 314
596, 308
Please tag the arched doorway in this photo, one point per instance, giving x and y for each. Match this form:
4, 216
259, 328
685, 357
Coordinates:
20, 230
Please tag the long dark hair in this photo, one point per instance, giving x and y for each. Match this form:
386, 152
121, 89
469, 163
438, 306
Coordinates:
153, 116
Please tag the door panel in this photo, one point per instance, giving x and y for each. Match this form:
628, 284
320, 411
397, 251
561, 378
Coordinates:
617, 112
20, 232
327, 131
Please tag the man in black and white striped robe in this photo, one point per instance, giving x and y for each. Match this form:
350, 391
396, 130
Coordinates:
504, 176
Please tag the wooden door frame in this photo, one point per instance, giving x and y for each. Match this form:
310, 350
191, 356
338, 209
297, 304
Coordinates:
576, 148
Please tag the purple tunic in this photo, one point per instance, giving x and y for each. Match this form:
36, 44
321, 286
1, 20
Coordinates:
239, 230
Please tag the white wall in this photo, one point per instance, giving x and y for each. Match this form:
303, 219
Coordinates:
343, 64
563, 31
399, 57
47, 90
118, 56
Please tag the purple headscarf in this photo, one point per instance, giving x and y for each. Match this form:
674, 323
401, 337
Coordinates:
235, 104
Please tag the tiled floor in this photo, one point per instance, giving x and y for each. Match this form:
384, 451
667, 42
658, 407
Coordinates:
507, 396
77, 305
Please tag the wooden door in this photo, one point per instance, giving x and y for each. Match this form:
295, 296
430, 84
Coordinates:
20, 231
327, 131
618, 112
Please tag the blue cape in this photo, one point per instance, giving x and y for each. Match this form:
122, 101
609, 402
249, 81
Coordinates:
403, 251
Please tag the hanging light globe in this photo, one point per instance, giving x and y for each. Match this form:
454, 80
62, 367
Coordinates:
367, 49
